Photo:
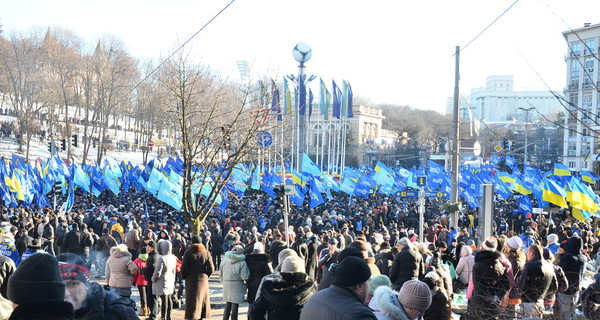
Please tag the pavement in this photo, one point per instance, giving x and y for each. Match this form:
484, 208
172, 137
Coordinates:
216, 300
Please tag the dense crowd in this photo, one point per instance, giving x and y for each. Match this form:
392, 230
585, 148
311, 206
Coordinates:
349, 258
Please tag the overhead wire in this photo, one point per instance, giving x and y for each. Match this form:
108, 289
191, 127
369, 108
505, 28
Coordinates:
485, 29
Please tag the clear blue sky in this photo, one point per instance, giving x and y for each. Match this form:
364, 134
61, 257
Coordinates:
391, 51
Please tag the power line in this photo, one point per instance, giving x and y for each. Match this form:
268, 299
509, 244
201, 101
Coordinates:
482, 31
180, 47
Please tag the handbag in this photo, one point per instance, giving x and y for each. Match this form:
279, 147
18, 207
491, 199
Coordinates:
178, 265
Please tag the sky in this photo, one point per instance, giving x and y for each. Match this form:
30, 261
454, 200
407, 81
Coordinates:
391, 51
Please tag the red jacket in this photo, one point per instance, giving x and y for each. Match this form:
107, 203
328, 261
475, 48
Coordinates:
139, 279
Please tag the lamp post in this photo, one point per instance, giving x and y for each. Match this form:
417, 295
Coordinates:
526, 128
302, 53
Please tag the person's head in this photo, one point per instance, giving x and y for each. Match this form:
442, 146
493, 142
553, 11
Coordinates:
403, 243
353, 273
534, 252
150, 246
415, 298
332, 244
76, 278
37, 279
293, 264
379, 281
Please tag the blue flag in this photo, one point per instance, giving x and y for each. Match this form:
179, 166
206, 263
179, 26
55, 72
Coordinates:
315, 196
525, 205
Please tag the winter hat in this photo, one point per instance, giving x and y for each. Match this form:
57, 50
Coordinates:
151, 244
37, 279
384, 245
432, 280
285, 253
292, 264
351, 271
514, 243
259, 247
403, 242
196, 239
552, 238
490, 244
415, 294
237, 250
378, 281
72, 267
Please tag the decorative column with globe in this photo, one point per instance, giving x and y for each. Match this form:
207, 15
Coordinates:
302, 53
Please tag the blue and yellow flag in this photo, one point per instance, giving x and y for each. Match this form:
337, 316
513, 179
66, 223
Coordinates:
554, 194
561, 170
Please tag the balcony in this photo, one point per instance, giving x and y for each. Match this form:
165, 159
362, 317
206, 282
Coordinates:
573, 87
571, 153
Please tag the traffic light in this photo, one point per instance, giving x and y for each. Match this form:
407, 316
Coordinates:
280, 193
57, 187
50, 147
506, 144
74, 144
63, 144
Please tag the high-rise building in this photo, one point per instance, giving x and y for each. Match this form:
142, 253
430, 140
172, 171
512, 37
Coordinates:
582, 139
499, 102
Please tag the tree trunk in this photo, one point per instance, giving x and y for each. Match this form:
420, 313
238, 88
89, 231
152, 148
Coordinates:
196, 223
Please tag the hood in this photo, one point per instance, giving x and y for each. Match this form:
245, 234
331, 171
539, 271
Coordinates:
574, 245
387, 302
234, 257
466, 251
120, 251
288, 289
257, 258
164, 247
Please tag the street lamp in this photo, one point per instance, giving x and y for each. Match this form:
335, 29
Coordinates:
526, 128
302, 53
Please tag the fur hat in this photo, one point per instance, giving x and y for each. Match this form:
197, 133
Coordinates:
552, 238
352, 271
37, 279
514, 243
415, 294
259, 247
285, 253
237, 250
292, 264
403, 242
490, 244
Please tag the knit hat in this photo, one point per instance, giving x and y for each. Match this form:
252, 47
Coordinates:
432, 280
490, 244
378, 281
151, 244
196, 239
237, 250
514, 243
37, 279
351, 271
384, 245
72, 267
552, 238
415, 294
292, 264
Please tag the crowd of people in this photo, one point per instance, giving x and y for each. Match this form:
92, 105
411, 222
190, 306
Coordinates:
346, 259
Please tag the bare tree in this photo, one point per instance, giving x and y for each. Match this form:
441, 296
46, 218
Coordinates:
20, 61
217, 130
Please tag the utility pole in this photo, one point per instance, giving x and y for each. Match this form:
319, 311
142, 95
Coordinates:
526, 129
456, 142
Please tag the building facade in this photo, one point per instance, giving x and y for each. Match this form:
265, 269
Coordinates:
581, 137
499, 102
365, 135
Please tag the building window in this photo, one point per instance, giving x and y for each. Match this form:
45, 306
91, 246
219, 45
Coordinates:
571, 152
571, 164
589, 46
575, 49
572, 133
574, 75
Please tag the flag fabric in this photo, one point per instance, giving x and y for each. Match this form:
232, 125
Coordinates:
588, 177
315, 196
525, 206
308, 166
337, 103
301, 97
310, 103
347, 101
275, 100
561, 170
521, 188
325, 100
582, 197
554, 194
287, 98
146, 212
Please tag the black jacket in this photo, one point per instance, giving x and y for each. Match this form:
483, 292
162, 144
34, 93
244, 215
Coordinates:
49, 310
407, 265
573, 264
74, 242
383, 261
438, 310
537, 278
217, 243
276, 247
489, 275
282, 296
102, 304
259, 265
150, 266
312, 261
336, 303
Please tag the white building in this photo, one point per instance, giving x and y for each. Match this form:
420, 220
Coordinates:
582, 141
499, 102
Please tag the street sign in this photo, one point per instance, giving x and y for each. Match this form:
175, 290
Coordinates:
150, 143
415, 194
289, 190
422, 181
265, 139
498, 148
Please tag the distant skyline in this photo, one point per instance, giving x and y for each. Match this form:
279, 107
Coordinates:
394, 52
